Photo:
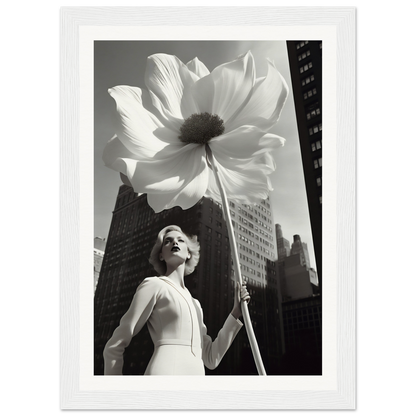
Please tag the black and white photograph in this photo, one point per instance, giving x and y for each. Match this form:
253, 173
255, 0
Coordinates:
207, 247
208, 207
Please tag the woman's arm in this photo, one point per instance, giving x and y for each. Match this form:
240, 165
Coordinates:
131, 323
214, 351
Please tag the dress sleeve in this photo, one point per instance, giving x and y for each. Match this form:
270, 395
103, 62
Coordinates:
214, 351
131, 323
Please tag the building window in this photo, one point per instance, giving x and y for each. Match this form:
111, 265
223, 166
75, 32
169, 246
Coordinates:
319, 181
316, 145
305, 68
313, 113
317, 163
308, 80
302, 44
315, 129
304, 55
309, 94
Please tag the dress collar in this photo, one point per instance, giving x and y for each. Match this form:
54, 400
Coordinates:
175, 285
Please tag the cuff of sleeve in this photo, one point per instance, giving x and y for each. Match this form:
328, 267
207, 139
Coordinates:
235, 320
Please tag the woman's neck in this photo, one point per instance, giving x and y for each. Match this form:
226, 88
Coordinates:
177, 275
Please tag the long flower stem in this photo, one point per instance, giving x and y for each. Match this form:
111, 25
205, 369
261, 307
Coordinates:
233, 245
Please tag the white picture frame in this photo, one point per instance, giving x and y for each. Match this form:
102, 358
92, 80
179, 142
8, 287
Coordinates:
78, 391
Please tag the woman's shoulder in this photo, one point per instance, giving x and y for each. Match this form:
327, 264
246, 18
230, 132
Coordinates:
149, 282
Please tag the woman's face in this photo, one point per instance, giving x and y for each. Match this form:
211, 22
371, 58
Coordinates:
174, 247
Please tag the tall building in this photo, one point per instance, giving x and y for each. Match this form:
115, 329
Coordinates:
305, 60
283, 245
256, 241
133, 231
299, 280
296, 278
298, 247
302, 322
257, 248
301, 312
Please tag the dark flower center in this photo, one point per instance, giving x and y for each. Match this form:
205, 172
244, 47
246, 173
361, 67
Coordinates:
201, 128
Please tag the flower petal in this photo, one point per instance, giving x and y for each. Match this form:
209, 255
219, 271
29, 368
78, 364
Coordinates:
203, 94
118, 157
185, 198
242, 185
227, 87
245, 180
265, 103
169, 81
177, 176
264, 162
198, 68
244, 142
136, 126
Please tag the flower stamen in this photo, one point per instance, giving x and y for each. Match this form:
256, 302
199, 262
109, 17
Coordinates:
201, 128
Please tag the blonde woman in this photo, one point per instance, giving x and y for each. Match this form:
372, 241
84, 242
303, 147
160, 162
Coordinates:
173, 316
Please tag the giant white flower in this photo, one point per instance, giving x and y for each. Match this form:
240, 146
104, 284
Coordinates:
161, 134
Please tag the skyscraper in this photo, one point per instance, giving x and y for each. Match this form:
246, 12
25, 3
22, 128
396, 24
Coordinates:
302, 321
133, 231
283, 245
301, 248
305, 60
301, 311
257, 248
297, 279
256, 241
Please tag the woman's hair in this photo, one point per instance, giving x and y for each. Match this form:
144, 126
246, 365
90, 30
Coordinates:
191, 242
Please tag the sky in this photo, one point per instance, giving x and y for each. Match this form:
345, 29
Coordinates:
124, 62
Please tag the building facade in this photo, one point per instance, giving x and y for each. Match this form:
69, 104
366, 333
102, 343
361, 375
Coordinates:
301, 248
302, 323
296, 278
256, 240
133, 231
305, 60
301, 311
283, 245
300, 281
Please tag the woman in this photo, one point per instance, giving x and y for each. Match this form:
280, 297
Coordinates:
173, 316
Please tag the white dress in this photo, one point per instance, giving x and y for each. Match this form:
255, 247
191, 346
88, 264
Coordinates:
175, 322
